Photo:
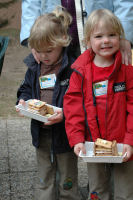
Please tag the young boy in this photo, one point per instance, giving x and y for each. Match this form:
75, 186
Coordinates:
50, 40
99, 103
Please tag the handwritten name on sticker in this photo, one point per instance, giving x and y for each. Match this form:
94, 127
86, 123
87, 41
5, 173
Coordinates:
100, 88
47, 81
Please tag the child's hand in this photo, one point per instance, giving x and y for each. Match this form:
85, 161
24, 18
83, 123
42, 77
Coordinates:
78, 147
21, 101
35, 55
55, 119
128, 149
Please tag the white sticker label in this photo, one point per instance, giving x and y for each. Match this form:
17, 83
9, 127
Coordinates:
100, 88
47, 81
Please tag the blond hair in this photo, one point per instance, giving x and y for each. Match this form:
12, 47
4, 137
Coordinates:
107, 18
51, 30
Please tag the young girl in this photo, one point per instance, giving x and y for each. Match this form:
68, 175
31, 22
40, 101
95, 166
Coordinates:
99, 104
50, 40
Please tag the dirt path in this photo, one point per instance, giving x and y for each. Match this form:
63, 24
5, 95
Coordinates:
11, 77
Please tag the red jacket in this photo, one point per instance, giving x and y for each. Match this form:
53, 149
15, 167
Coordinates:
80, 108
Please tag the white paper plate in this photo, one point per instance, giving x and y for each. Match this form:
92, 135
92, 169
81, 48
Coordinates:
26, 112
89, 156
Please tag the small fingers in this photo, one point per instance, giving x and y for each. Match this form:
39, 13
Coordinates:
17, 110
79, 147
35, 55
125, 158
48, 123
21, 101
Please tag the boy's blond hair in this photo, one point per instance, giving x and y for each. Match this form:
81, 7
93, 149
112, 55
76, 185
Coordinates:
107, 18
51, 30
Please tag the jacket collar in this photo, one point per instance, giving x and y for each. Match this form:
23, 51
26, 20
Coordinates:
85, 59
30, 61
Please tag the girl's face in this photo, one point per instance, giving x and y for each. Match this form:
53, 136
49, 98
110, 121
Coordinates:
104, 41
50, 56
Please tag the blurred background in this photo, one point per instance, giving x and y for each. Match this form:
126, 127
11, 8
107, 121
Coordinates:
10, 14
13, 68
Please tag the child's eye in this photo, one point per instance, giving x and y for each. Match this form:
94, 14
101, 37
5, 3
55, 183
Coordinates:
38, 51
98, 36
45, 51
112, 34
49, 51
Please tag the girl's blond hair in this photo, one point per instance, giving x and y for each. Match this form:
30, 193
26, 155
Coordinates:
51, 30
107, 18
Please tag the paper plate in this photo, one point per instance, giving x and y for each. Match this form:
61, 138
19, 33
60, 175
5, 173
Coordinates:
89, 156
31, 114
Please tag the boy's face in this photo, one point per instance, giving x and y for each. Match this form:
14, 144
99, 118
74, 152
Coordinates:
50, 56
104, 41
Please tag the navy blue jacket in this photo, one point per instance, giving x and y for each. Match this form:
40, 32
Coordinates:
30, 89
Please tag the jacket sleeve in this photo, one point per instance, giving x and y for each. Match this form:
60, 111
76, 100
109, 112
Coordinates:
31, 9
73, 111
129, 98
25, 90
123, 9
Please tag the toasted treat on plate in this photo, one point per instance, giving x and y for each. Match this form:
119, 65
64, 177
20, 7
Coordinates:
48, 115
50, 110
105, 148
37, 106
114, 148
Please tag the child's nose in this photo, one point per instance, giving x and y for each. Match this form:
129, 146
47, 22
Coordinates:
106, 39
43, 55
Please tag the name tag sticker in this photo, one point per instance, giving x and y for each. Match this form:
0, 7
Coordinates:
47, 81
100, 88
